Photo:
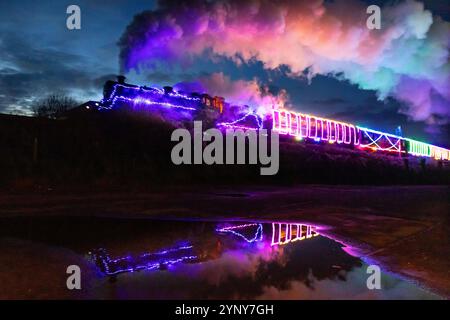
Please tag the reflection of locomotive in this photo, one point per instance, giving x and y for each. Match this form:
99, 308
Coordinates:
192, 106
275, 234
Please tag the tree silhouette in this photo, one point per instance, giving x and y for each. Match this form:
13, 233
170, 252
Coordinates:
53, 106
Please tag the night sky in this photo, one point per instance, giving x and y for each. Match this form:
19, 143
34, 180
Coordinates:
39, 56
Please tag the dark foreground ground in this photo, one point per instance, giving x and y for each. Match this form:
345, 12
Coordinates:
118, 152
405, 229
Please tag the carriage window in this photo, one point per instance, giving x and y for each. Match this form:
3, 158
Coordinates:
347, 136
276, 120
339, 133
294, 130
332, 131
312, 127
304, 125
284, 121
325, 129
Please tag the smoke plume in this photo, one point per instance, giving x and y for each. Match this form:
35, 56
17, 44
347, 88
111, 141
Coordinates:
406, 59
237, 92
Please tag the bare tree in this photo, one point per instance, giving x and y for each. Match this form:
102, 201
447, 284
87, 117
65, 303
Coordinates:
53, 106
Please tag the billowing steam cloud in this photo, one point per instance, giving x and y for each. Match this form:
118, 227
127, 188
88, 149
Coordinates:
407, 59
251, 92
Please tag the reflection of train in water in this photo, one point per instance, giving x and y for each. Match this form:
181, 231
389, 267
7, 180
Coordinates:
275, 233
175, 104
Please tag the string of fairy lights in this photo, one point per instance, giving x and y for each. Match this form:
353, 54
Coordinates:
303, 126
299, 125
281, 234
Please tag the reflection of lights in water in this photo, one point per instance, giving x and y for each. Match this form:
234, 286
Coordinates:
237, 230
146, 261
283, 233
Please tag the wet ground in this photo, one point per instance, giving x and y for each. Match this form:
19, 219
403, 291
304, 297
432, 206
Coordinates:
405, 230
161, 259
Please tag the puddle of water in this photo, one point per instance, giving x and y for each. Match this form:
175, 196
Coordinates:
148, 259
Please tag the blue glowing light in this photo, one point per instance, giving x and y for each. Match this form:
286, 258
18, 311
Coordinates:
147, 96
146, 261
239, 122
238, 231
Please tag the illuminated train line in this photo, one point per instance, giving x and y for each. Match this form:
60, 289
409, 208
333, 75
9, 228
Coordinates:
289, 123
303, 126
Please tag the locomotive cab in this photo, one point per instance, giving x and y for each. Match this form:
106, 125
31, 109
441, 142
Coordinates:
213, 102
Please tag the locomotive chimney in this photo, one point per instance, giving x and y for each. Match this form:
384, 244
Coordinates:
168, 89
121, 79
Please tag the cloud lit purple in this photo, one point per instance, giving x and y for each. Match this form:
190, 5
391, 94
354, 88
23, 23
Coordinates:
407, 59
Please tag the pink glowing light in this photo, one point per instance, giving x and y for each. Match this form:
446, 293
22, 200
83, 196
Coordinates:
284, 233
377, 138
302, 125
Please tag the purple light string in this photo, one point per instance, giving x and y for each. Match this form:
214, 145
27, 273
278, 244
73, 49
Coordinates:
111, 100
243, 118
112, 266
235, 230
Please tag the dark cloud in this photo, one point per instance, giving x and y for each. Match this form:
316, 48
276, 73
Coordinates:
100, 81
384, 116
159, 76
330, 101
39, 55
27, 73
